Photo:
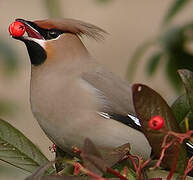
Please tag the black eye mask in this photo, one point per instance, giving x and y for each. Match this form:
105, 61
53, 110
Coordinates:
46, 33
50, 33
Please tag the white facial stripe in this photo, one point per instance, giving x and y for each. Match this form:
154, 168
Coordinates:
54, 39
41, 42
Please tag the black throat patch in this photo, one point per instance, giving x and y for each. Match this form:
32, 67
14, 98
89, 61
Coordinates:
36, 53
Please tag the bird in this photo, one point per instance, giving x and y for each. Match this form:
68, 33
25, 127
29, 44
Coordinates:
72, 96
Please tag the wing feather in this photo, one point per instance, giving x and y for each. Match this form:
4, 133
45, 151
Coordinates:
115, 95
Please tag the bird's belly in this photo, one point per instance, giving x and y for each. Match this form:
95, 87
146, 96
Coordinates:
69, 119
106, 134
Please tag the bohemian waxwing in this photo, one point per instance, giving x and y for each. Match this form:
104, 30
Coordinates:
72, 96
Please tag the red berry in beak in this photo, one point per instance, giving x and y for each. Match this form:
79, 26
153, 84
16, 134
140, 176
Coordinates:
17, 29
156, 122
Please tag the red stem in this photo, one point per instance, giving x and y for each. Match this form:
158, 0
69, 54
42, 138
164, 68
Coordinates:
165, 147
125, 171
131, 157
174, 163
189, 168
140, 168
116, 173
89, 173
181, 136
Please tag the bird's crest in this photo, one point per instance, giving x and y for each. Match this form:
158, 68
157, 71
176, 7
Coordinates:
73, 26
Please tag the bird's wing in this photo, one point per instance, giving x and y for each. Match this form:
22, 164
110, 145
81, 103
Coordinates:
115, 95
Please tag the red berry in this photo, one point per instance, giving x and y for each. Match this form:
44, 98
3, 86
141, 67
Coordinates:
17, 29
156, 122
77, 168
54, 147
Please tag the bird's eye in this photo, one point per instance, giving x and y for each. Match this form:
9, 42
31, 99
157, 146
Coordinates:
52, 34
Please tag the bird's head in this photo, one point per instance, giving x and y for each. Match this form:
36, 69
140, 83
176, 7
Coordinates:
52, 38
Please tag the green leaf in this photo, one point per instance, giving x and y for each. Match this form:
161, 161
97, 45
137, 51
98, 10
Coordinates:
153, 175
173, 39
154, 62
171, 72
18, 150
136, 58
40, 172
181, 108
188, 117
59, 155
174, 9
187, 78
131, 175
149, 103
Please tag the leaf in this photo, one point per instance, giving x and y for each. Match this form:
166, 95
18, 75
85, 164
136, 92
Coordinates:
64, 178
190, 119
153, 63
171, 71
131, 175
120, 167
174, 9
66, 168
149, 103
180, 108
157, 173
18, 150
92, 158
117, 154
40, 172
60, 165
136, 57
173, 39
187, 79
115, 160
178, 59
94, 161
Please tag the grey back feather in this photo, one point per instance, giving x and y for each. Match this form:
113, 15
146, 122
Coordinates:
114, 93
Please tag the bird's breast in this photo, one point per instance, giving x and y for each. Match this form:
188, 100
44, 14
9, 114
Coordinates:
62, 104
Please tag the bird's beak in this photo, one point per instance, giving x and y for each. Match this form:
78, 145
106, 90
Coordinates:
32, 30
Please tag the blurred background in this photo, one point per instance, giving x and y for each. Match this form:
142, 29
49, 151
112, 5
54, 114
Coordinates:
146, 44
